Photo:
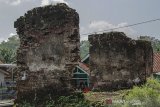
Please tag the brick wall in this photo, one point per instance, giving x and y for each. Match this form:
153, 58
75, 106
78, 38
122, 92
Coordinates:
49, 51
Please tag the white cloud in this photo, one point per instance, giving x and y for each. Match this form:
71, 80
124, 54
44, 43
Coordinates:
5, 38
101, 26
12, 34
84, 30
13, 2
59, 1
16, 2
47, 2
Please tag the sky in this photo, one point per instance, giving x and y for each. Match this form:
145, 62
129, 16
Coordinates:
95, 15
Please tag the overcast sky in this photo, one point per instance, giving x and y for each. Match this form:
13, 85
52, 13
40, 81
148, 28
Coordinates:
95, 15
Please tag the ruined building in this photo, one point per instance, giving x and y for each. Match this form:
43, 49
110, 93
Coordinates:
117, 61
48, 52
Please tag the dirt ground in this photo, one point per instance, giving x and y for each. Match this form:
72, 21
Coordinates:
103, 96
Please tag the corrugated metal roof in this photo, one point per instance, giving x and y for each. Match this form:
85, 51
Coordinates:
156, 62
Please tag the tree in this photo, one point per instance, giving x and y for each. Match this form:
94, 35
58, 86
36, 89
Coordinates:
84, 48
8, 49
7, 55
155, 42
11, 43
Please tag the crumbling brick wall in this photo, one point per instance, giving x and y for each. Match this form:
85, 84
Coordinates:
117, 61
48, 52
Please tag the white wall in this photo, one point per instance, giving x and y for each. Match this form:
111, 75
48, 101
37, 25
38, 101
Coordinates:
1, 78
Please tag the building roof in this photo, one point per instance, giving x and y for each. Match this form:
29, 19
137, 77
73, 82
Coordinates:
7, 68
4, 72
8, 65
87, 56
84, 67
156, 62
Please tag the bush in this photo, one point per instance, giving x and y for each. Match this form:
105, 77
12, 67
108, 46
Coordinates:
50, 103
147, 95
25, 104
75, 100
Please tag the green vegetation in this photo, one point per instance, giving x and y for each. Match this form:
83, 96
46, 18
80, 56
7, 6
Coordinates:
75, 100
155, 42
147, 95
7, 55
8, 49
84, 48
11, 43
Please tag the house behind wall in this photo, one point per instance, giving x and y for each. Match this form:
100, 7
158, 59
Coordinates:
156, 65
8, 74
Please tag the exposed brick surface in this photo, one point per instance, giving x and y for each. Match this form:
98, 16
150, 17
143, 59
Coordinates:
117, 61
49, 51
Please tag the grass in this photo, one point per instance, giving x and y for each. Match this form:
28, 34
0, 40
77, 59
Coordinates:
102, 96
147, 95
